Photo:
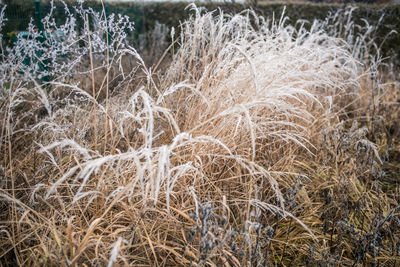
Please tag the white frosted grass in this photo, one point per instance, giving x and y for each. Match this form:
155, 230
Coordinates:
240, 90
19, 205
75, 88
153, 166
253, 68
153, 162
115, 250
35, 190
74, 146
173, 89
192, 190
231, 88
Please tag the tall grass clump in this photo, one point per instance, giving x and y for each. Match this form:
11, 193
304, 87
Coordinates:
262, 143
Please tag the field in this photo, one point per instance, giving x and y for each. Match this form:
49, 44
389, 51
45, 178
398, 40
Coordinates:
234, 140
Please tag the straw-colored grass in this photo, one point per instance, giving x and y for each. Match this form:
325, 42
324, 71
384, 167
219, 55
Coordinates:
261, 144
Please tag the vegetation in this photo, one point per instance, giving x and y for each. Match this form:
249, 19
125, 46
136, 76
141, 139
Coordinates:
147, 15
251, 141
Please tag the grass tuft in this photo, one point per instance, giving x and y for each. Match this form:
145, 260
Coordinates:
259, 143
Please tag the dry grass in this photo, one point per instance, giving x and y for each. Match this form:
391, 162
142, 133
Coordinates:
261, 144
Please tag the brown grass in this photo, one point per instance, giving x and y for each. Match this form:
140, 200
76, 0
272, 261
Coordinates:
253, 148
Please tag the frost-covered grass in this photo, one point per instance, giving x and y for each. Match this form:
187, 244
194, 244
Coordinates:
261, 143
